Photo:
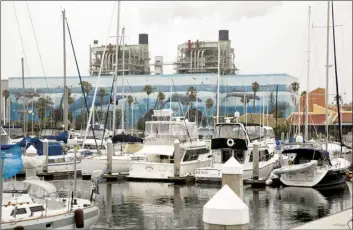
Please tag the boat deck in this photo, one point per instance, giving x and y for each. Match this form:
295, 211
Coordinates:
336, 221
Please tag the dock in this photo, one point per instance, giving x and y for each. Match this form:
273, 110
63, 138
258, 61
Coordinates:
339, 220
115, 176
174, 180
59, 174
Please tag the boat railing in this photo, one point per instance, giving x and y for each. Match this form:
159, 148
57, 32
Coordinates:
65, 188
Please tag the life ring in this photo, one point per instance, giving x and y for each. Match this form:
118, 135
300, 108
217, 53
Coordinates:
230, 142
79, 220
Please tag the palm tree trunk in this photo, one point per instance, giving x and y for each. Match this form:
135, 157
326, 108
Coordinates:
148, 101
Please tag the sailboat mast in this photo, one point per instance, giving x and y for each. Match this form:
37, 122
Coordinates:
116, 67
218, 79
336, 76
66, 114
307, 83
24, 100
122, 84
327, 72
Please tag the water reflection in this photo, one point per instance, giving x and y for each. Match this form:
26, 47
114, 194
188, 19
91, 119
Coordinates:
137, 205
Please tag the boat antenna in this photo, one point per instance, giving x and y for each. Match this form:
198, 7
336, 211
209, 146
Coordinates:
336, 76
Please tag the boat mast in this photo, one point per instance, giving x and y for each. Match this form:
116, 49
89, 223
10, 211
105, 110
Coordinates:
327, 72
122, 79
116, 67
24, 100
307, 83
66, 114
336, 76
218, 79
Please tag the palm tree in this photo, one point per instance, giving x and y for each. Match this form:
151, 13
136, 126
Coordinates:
101, 94
42, 104
209, 105
303, 93
148, 89
130, 100
6, 95
70, 101
245, 102
294, 87
192, 93
87, 87
255, 87
160, 99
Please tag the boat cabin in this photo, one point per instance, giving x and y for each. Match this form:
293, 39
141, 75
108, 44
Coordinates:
305, 155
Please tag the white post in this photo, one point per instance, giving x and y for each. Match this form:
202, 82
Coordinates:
109, 156
225, 211
232, 175
46, 153
177, 158
255, 160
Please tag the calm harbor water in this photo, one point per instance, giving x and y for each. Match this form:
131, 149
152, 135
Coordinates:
136, 205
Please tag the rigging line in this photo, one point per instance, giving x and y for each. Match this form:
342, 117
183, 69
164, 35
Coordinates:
19, 31
35, 37
111, 100
79, 75
336, 76
99, 74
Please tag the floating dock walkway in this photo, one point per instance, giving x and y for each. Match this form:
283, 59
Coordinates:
339, 220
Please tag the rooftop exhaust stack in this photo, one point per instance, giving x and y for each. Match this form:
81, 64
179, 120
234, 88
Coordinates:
223, 35
143, 39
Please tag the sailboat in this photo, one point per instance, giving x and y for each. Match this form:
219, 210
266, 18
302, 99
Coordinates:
37, 204
309, 164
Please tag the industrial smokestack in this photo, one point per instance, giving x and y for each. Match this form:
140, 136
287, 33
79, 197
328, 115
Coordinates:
143, 39
223, 35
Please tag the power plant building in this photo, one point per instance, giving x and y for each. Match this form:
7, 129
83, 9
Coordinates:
136, 58
202, 57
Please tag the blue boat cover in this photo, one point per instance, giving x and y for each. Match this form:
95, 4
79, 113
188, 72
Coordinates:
62, 137
12, 160
54, 148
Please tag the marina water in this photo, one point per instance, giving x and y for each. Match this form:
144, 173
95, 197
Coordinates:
140, 205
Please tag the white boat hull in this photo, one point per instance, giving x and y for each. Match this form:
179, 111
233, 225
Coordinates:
61, 221
119, 164
162, 171
303, 175
215, 174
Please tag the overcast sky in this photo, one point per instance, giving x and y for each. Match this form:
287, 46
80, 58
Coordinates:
268, 37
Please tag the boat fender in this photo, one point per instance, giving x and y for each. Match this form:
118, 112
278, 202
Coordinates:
79, 220
19, 228
230, 142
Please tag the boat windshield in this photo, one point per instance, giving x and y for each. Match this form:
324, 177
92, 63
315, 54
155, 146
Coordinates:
49, 132
171, 129
230, 131
269, 133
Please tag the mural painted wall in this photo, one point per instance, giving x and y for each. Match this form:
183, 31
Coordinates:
236, 94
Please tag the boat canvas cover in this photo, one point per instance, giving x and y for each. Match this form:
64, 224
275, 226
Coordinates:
54, 148
166, 150
12, 160
126, 138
